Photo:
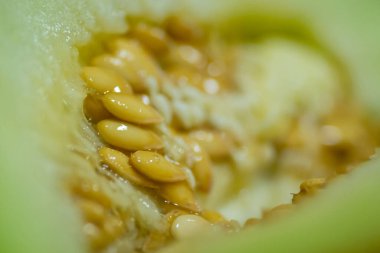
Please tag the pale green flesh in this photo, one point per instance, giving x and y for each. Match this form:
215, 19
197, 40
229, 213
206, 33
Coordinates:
343, 218
34, 219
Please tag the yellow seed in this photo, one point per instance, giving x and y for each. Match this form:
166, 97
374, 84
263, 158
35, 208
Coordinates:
95, 236
152, 38
189, 225
201, 166
127, 136
142, 70
102, 235
130, 108
185, 75
186, 56
213, 216
179, 194
182, 75
91, 191
121, 67
113, 63
94, 109
105, 80
166, 206
182, 28
217, 144
92, 210
119, 162
113, 227
157, 167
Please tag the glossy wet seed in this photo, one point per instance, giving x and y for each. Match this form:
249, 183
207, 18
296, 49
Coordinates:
92, 192
127, 136
105, 80
95, 236
119, 163
179, 194
189, 225
113, 227
216, 144
187, 56
122, 67
103, 234
213, 216
92, 210
151, 37
182, 28
94, 109
186, 76
157, 167
141, 69
201, 166
130, 108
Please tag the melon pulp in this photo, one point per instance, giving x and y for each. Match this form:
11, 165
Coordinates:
38, 58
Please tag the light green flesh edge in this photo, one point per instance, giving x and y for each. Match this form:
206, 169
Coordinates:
35, 214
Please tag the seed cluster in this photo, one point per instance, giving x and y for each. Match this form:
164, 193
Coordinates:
135, 151
103, 223
118, 105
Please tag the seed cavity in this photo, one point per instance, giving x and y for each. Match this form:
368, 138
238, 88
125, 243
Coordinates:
130, 108
178, 69
128, 136
157, 167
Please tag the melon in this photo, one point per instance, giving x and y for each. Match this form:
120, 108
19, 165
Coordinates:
138, 125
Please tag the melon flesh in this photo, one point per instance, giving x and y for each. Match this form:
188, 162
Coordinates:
42, 96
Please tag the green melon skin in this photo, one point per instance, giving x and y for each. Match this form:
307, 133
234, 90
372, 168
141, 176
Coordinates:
40, 104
